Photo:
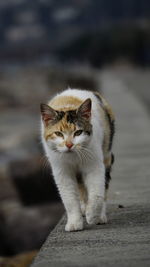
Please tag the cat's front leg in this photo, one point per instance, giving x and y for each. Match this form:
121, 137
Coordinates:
68, 189
95, 183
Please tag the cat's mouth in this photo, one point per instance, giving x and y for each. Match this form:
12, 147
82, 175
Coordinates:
69, 151
66, 151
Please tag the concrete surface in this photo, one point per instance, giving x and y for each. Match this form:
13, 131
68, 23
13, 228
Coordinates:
125, 240
137, 80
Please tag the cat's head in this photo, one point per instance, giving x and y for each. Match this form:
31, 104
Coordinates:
67, 131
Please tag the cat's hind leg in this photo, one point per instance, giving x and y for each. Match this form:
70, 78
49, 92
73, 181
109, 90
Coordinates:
103, 216
108, 167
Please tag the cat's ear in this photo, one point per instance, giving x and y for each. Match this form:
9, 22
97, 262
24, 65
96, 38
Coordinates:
48, 114
84, 110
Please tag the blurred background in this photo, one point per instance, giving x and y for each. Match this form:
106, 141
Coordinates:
46, 46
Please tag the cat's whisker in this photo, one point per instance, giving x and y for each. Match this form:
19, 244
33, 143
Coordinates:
88, 153
79, 155
43, 159
45, 163
83, 156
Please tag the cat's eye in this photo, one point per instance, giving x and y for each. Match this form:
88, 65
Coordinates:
59, 134
77, 133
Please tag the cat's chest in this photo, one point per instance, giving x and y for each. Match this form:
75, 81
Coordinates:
78, 167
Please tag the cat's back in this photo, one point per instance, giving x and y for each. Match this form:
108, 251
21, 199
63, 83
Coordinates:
71, 99
82, 94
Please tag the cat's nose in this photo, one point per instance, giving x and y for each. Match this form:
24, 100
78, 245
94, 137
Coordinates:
69, 145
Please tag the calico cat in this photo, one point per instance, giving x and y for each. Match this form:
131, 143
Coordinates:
77, 135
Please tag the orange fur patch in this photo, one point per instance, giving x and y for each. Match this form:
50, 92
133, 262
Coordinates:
65, 103
82, 192
107, 161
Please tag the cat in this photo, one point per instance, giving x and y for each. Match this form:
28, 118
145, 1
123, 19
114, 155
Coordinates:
77, 134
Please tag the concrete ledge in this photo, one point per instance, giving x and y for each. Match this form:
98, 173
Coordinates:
116, 244
124, 241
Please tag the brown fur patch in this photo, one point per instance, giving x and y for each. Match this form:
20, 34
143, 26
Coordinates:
107, 161
108, 119
62, 103
48, 135
82, 192
105, 105
64, 126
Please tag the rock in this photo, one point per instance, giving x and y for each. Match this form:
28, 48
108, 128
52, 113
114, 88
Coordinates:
21, 260
33, 182
26, 228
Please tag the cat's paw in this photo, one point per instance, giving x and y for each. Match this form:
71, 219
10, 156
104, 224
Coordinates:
74, 224
83, 208
103, 219
92, 218
93, 211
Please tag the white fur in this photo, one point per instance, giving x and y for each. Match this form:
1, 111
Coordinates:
66, 165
